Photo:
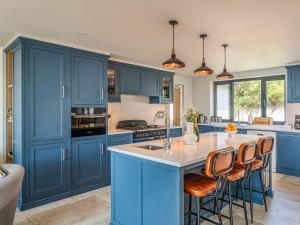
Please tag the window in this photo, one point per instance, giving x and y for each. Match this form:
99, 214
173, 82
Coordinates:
260, 96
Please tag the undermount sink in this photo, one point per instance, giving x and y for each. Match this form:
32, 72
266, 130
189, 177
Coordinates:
151, 147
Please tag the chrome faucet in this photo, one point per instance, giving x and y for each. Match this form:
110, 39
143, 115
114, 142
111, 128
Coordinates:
163, 115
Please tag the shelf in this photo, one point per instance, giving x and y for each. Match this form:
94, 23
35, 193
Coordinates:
9, 86
10, 155
88, 116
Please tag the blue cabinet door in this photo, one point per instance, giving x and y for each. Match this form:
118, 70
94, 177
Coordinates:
89, 81
176, 132
113, 80
49, 70
288, 153
293, 85
130, 80
166, 87
149, 83
48, 170
88, 157
205, 129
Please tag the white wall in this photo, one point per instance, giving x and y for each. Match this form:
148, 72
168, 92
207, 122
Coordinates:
203, 90
133, 107
2, 105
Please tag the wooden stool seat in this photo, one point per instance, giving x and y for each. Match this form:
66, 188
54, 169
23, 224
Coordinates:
236, 173
257, 164
198, 185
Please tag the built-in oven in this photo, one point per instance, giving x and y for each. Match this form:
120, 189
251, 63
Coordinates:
88, 121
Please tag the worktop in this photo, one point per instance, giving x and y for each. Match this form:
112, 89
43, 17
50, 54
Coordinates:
180, 154
119, 131
275, 128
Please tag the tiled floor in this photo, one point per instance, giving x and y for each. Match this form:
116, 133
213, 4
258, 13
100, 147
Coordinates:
93, 208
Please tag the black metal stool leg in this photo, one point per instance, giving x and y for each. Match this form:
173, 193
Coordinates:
198, 210
250, 197
263, 189
218, 210
223, 196
190, 209
237, 191
230, 203
244, 202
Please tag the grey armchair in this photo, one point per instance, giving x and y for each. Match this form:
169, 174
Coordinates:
9, 189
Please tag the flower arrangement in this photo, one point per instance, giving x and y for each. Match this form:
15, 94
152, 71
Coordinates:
191, 114
231, 129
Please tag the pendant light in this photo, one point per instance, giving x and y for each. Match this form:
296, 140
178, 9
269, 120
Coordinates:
225, 75
173, 62
203, 69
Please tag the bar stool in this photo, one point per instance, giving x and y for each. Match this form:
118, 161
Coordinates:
241, 171
218, 163
265, 147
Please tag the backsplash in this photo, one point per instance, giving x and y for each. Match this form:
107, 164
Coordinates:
133, 107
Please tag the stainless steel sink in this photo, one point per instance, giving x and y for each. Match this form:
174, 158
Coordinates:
151, 147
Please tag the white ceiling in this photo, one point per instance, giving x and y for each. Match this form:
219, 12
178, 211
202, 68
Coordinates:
261, 33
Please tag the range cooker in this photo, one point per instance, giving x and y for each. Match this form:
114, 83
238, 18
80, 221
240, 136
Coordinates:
142, 131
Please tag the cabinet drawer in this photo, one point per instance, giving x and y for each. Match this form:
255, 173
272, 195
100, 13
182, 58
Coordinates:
120, 139
176, 132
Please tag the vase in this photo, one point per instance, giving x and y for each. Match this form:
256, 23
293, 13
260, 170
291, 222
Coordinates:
190, 138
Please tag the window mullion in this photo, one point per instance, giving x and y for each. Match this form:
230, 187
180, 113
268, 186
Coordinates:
263, 98
232, 100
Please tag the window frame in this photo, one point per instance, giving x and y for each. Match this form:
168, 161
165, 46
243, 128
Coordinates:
263, 95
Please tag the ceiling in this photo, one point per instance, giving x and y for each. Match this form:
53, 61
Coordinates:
261, 33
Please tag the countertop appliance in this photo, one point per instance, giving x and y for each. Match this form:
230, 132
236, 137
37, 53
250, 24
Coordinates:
267, 133
88, 121
297, 122
143, 131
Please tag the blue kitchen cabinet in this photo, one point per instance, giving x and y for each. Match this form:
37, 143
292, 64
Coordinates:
89, 80
88, 161
218, 129
113, 80
120, 139
176, 132
166, 89
205, 129
150, 82
288, 153
48, 72
48, 171
43, 75
293, 84
130, 78
242, 131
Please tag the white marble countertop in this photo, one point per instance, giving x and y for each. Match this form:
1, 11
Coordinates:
180, 154
274, 128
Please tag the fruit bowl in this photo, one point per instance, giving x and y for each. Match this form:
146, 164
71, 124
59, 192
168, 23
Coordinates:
231, 129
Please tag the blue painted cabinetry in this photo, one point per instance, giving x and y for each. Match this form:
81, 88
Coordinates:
88, 161
130, 79
48, 78
288, 153
176, 132
89, 80
293, 84
120, 139
49, 70
48, 170
150, 82
205, 129
113, 80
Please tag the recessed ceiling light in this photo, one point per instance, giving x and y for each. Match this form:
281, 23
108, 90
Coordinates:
81, 33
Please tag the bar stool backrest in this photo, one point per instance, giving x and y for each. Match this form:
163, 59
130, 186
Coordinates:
247, 153
265, 147
219, 162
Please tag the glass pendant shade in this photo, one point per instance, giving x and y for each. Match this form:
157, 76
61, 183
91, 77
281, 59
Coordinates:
203, 69
173, 62
225, 75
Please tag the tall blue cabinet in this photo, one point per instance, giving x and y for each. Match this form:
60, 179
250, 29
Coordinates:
48, 80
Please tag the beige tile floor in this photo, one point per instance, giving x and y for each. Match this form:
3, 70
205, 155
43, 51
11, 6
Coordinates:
93, 208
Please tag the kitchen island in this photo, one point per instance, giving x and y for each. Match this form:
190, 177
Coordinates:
147, 186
